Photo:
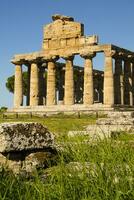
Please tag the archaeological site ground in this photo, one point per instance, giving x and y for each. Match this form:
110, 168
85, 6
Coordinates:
72, 138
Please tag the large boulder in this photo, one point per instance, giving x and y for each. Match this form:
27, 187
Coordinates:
20, 136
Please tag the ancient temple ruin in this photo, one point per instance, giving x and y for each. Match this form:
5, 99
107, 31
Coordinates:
78, 88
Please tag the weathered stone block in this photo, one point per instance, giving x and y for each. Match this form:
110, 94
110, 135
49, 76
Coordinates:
71, 42
82, 40
45, 44
63, 42
37, 160
12, 165
118, 121
118, 114
24, 136
63, 28
91, 40
54, 43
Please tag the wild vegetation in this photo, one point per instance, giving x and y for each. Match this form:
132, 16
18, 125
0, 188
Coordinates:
99, 170
2, 109
58, 124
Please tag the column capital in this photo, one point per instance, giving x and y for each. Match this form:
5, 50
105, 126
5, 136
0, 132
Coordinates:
33, 61
68, 57
16, 62
123, 55
130, 57
86, 54
51, 58
110, 53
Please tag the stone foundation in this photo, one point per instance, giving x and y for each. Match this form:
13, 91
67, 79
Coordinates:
114, 124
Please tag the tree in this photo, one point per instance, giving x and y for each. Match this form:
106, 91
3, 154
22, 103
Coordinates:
3, 109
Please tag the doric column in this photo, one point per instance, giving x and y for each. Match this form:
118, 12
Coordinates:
42, 88
126, 81
18, 87
100, 89
133, 80
28, 85
108, 79
77, 86
61, 73
51, 83
34, 85
88, 96
69, 81
131, 84
118, 81
122, 88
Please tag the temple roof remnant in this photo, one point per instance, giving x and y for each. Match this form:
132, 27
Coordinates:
62, 17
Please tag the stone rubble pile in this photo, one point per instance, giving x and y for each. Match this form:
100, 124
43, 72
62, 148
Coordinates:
115, 123
25, 146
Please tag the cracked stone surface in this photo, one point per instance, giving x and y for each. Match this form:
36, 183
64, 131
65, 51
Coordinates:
24, 136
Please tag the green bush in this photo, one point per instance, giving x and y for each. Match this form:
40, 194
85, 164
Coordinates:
3, 109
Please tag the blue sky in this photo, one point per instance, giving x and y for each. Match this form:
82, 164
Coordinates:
22, 23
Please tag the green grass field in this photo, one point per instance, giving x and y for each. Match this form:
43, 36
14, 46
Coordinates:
57, 124
103, 170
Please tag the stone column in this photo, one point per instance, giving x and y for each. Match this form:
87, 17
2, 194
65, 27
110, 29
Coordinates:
131, 84
34, 85
28, 85
101, 82
118, 81
61, 74
18, 87
51, 83
88, 97
41, 85
122, 88
126, 81
133, 80
108, 79
69, 81
77, 86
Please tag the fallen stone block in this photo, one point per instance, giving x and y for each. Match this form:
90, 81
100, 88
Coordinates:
20, 136
101, 131
118, 114
114, 121
14, 166
38, 160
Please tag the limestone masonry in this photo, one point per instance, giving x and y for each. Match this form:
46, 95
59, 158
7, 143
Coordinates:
115, 124
64, 38
25, 146
19, 136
